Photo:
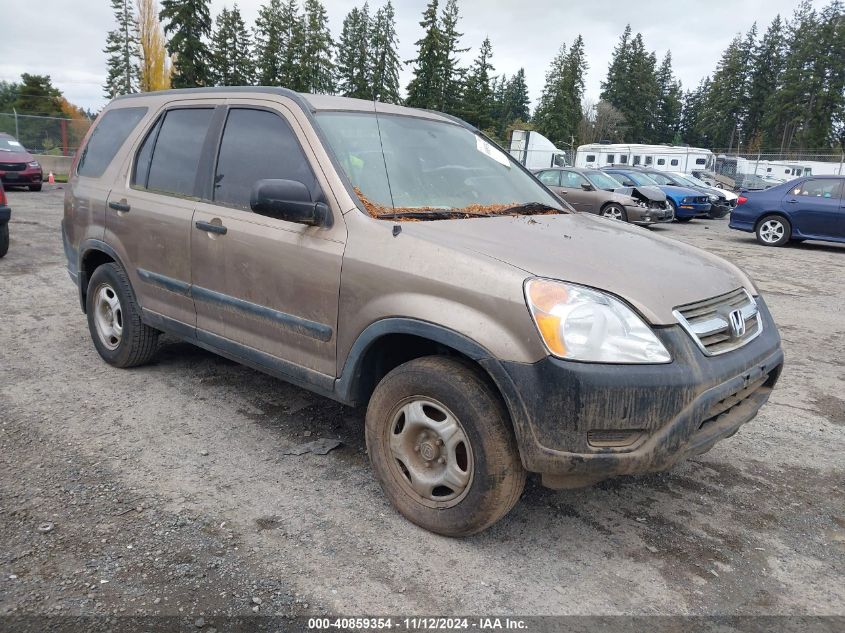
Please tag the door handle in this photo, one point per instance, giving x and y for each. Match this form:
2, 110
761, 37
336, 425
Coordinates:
219, 229
793, 201
119, 206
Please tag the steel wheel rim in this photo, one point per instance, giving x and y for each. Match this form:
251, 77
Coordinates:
108, 316
429, 453
771, 231
613, 213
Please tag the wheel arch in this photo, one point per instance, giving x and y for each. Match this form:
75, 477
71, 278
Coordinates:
389, 342
93, 254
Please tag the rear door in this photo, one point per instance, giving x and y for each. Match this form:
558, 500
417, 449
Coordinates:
815, 207
149, 214
266, 285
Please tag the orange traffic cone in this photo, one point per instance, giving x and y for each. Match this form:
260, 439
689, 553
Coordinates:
51, 178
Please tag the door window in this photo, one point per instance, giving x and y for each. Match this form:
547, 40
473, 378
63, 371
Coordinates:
573, 180
550, 177
173, 149
821, 188
258, 144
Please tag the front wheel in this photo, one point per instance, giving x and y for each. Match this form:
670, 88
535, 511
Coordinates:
675, 211
4, 239
441, 445
614, 212
773, 230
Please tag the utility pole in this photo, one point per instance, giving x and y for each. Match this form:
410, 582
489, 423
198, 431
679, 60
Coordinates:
18, 133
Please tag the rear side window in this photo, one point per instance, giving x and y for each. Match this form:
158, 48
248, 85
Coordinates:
822, 188
169, 158
258, 144
108, 135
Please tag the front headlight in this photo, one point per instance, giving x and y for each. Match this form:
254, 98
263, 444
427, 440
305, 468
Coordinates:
34, 164
714, 198
578, 323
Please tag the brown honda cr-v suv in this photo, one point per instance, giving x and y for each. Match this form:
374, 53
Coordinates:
397, 258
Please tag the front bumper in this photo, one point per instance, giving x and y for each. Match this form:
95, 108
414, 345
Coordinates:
645, 216
693, 210
718, 211
665, 412
28, 176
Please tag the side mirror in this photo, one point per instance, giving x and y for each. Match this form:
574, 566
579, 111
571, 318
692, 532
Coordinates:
287, 200
587, 186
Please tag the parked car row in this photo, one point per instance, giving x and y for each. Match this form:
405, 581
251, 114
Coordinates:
17, 166
635, 194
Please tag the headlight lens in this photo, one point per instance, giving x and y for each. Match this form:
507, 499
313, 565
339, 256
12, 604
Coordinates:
714, 199
578, 323
34, 164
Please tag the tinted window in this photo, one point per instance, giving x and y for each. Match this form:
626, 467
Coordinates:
141, 171
637, 160
611, 158
674, 162
177, 151
108, 135
623, 159
821, 188
648, 160
551, 178
591, 158
700, 161
256, 145
661, 161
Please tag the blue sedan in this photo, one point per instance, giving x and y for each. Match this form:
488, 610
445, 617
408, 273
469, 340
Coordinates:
803, 209
686, 203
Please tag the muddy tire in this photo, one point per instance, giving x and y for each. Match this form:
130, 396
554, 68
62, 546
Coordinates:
614, 211
441, 444
114, 319
4, 239
773, 230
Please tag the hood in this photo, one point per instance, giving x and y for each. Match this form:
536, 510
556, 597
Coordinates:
15, 157
648, 192
681, 192
652, 273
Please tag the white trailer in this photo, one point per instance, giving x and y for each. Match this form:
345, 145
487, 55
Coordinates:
663, 157
535, 151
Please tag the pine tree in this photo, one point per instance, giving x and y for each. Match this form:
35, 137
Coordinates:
122, 51
559, 114
385, 62
425, 88
767, 67
617, 87
189, 24
452, 76
354, 55
478, 103
270, 38
231, 50
316, 64
515, 100
690, 124
669, 104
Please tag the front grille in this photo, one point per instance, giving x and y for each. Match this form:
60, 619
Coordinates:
12, 166
722, 323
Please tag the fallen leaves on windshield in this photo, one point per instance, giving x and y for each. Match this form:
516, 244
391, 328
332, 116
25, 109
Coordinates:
377, 210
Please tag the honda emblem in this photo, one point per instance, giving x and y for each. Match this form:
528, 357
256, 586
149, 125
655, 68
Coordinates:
737, 323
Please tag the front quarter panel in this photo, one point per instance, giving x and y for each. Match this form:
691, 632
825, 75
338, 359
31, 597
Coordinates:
386, 275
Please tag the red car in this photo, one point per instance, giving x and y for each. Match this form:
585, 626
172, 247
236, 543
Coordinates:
18, 166
5, 215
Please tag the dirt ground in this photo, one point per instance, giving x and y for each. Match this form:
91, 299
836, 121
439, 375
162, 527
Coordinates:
165, 490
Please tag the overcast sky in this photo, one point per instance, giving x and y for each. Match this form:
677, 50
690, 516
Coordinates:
65, 38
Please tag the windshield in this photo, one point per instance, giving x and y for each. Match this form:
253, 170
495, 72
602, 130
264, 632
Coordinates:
403, 165
601, 180
639, 179
692, 180
10, 145
660, 179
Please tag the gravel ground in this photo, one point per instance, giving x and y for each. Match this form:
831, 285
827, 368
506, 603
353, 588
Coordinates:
166, 490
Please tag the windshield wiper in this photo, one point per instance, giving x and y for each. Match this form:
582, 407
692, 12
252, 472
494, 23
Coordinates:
529, 208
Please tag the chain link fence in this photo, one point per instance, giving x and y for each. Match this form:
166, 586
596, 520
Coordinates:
54, 136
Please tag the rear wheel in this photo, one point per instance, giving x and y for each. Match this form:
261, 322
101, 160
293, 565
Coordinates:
441, 444
114, 319
773, 230
614, 212
4, 239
